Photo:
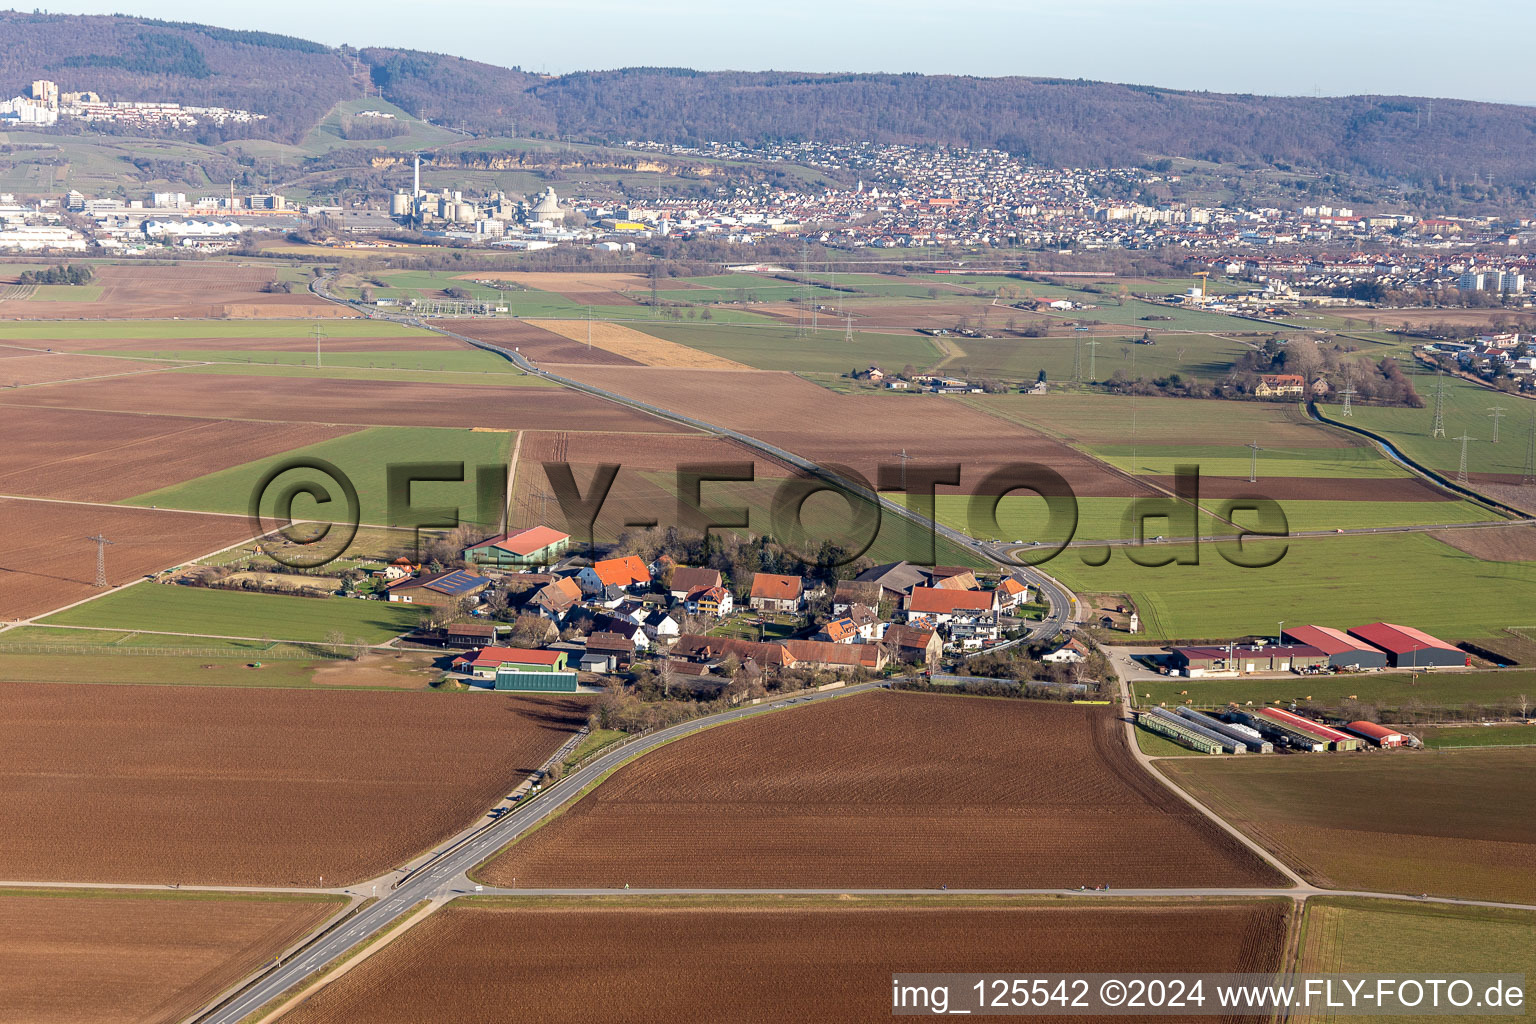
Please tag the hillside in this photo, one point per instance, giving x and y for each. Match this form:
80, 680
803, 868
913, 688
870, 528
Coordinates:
1052, 121
294, 82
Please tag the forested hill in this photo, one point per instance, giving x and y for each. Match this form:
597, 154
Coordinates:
1052, 121
292, 81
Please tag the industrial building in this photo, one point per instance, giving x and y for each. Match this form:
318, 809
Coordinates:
1180, 731
1248, 736
536, 545
1299, 732
1407, 647
1342, 650
1242, 659
1377, 734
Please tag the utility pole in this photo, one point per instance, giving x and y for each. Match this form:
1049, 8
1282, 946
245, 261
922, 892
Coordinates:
101, 558
1461, 473
1496, 413
1439, 430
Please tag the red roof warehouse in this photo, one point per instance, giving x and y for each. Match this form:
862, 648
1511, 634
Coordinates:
1407, 647
1343, 650
1378, 735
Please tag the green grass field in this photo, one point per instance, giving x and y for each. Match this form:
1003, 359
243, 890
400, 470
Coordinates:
777, 348
1017, 359
1098, 419
1400, 938
1453, 737
482, 378
169, 608
472, 361
1409, 578
1398, 694
1408, 821
1155, 745
365, 457
1466, 412
1236, 460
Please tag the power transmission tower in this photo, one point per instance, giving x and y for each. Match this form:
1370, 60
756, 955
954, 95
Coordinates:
1253, 461
1347, 410
319, 333
1461, 473
805, 290
589, 328
101, 558
1439, 430
1077, 361
1496, 413
848, 326
1093, 360
905, 458
655, 273
1528, 474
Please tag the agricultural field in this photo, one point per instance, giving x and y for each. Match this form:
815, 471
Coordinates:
355, 402
1192, 355
1363, 936
83, 456
788, 801
1455, 737
810, 960
263, 335
647, 349
20, 370
533, 341
167, 608
92, 956
365, 457
244, 786
778, 348
1095, 420
191, 290
1404, 696
1389, 822
48, 561
1397, 577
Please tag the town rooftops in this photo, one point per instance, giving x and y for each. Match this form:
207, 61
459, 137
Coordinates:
1326, 639
687, 578
908, 636
1010, 587
772, 587
488, 656
935, 601
1399, 639
825, 653
621, 572
454, 583
526, 542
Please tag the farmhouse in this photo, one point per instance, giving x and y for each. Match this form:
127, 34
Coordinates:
438, 589
895, 578
1273, 385
915, 645
774, 593
713, 600
1012, 592
696, 648
967, 616
461, 635
555, 600
1073, 652
624, 573
536, 545
687, 578
1407, 647
852, 592
835, 657
607, 652
1342, 650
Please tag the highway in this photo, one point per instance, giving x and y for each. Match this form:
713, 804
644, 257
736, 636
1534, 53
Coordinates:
443, 875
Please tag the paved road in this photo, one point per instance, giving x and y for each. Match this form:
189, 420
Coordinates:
444, 874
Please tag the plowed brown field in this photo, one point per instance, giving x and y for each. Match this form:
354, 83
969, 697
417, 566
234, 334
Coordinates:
774, 965
595, 289
110, 456
1502, 544
887, 789
379, 403
230, 786
43, 368
81, 958
645, 452
534, 342
862, 431
189, 290
46, 561
215, 346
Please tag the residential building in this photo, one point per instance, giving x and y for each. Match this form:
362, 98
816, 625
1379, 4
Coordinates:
624, 573
773, 593
688, 578
714, 601
555, 600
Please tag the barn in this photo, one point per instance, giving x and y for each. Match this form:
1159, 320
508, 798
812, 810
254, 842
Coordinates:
1407, 647
1377, 734
1342, 650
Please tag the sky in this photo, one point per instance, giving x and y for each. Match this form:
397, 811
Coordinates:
1296, 47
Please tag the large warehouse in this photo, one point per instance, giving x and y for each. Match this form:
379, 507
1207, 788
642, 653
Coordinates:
1407, 647
1343, 650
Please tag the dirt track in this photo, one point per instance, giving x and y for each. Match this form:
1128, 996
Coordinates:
886, 790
